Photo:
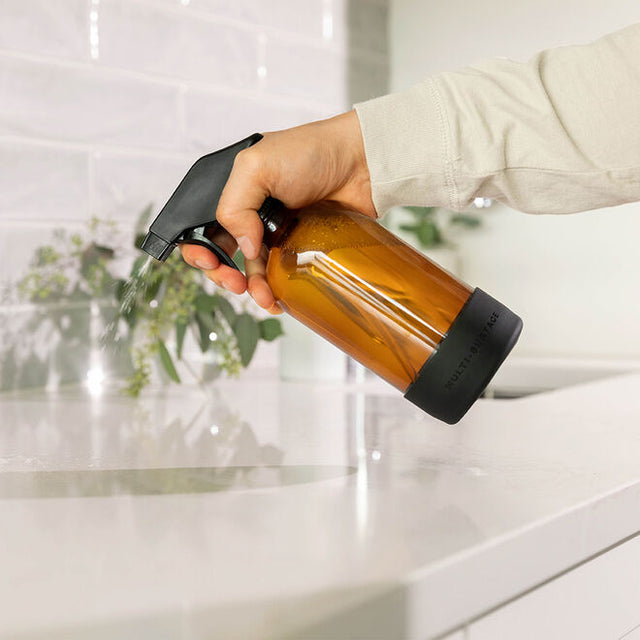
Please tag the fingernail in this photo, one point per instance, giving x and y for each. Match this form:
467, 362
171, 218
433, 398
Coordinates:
246, 246
204, 264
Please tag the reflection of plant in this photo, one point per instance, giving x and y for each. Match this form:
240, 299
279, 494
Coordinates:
430, 225
67, 281
74, 269
159, 301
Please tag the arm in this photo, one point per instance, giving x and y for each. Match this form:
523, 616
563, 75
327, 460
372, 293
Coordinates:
558, 134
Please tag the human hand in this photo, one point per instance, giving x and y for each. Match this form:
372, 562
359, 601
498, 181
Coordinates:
322, 160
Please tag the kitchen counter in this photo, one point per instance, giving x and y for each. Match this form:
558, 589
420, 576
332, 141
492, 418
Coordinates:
266, 509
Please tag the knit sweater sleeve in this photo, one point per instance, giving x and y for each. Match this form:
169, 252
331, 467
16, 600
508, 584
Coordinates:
558, 134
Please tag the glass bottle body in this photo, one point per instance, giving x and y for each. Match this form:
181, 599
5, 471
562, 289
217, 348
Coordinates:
362, 288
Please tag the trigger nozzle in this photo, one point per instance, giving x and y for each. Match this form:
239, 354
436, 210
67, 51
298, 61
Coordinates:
156, 246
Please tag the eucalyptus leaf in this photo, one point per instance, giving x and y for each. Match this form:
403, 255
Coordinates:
411, 228
428, 235
167, 362
421, 212
270, 329
206, 325
247, 333
225, 308
466, 220
181, 331
205, 303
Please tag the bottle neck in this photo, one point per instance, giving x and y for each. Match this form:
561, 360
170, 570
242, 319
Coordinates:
275, 219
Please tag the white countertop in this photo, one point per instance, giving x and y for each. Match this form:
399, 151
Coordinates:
291, 510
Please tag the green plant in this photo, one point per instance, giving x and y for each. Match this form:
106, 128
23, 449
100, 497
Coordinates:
75, 268
430, 225
153, 309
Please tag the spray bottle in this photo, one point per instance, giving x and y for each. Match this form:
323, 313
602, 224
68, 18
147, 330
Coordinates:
349, 279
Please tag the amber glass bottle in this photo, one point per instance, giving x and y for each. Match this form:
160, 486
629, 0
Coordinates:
372, 295
359, 286
362, 288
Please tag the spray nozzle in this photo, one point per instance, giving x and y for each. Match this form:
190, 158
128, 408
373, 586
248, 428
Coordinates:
190, 212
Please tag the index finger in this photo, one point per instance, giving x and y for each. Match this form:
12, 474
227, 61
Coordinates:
257, 284
241, 198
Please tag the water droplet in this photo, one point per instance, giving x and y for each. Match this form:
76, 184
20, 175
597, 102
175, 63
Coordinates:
135, 286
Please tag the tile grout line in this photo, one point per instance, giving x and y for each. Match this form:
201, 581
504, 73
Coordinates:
12, 222
68, 145
308, 40
172, 82
91, 179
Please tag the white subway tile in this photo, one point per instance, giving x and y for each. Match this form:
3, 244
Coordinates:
215, 120
176, 44
315, 73
287, 15
43, 183
125, 184
18, 242
85, 105
45, 27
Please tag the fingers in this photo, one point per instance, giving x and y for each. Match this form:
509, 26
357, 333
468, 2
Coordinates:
219, 273
241, 198
199, 257
257, 286
231, 279
224, 276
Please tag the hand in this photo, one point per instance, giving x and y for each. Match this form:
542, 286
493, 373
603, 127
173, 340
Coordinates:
322, 160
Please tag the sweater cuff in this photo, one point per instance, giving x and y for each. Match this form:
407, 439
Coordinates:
407, 146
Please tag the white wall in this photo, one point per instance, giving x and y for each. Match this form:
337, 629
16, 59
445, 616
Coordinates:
575, 279
104, 104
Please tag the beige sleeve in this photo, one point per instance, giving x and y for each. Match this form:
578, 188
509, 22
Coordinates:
558, 134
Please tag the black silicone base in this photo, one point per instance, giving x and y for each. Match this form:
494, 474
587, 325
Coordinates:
478, 341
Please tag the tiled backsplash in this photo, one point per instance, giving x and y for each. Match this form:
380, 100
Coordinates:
106, 103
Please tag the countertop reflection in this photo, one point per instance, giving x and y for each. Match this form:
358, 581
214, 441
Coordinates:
266, 509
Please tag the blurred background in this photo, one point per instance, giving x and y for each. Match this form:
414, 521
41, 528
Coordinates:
104, 104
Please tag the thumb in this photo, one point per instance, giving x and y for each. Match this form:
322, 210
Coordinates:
240, 200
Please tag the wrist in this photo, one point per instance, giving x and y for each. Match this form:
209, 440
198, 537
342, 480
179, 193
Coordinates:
350, 156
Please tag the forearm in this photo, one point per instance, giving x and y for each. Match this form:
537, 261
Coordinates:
558, 134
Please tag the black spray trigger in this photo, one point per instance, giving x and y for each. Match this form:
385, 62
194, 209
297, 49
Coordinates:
197, 236
194, 203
